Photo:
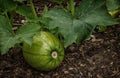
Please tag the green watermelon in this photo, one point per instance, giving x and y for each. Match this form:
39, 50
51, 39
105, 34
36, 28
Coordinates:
46, 52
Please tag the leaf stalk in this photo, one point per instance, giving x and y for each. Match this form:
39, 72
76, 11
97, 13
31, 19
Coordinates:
33, 8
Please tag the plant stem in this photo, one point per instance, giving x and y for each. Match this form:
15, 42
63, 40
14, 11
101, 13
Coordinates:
72, 7
45, 10
33, 8
7, 16
12, 14
63, 7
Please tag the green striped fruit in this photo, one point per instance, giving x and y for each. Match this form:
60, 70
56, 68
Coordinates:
46, 52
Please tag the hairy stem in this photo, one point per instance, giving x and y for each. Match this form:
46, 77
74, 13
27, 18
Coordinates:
72, 7
33, 8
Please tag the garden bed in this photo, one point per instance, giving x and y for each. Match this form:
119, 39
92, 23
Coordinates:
96, 57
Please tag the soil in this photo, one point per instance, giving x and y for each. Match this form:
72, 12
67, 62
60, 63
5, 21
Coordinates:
96, 57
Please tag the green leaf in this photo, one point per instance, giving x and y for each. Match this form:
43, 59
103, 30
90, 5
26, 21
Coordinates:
7, 5
25, 11
62, 20
113, 4
71, 29
5, 26
7, 38
118, 19
101, 28
95, 13
90, 14
43, 20
7, 42
27, 31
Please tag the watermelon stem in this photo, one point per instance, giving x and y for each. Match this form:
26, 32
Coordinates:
54, 54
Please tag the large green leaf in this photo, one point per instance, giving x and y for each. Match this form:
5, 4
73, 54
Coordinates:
88, 15
62, 20
7, 42
5, 26
7, 37
27, 31
7, 5
113, 4
95, 13
25, 11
